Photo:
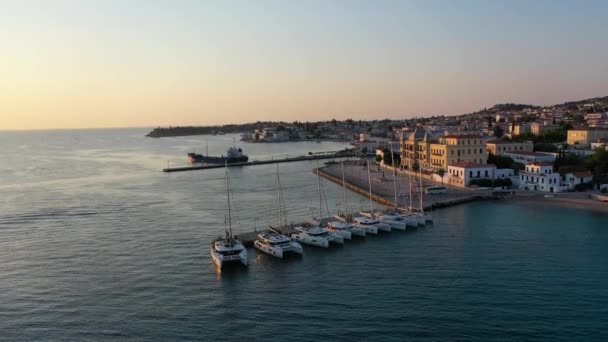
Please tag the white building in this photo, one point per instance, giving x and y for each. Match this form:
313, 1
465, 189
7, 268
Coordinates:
601, 142
539, 176
525, 157
572, 179
461, 174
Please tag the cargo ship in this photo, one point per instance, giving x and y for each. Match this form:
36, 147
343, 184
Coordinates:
233, 155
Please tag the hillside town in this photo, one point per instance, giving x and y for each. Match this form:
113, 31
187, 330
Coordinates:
546, 149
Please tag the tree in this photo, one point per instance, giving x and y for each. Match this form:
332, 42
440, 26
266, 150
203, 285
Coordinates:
545, 147
416, 166
441, 173
501, 162
498, 132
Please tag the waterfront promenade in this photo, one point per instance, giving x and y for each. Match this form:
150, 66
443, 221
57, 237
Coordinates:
355, 175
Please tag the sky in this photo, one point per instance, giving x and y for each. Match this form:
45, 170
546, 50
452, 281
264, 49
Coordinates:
85, 64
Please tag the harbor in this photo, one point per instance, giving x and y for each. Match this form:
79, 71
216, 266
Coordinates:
383, 193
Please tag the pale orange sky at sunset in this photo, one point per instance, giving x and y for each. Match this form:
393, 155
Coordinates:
108, 64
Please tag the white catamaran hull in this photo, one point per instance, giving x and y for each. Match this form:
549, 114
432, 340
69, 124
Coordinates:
399, 225
368, 229
220, 260
361, 232
311, 240
278, 251
383, 226
345, 234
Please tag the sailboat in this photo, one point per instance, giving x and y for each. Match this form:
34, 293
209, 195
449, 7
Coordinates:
410, 212
312, 232
393, 217
342, 224
228, 248
368, 221
426, 217
274, 242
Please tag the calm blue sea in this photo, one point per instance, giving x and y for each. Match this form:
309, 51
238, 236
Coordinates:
96, 244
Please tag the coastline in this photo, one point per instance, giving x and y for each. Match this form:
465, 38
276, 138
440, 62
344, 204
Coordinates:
577, 200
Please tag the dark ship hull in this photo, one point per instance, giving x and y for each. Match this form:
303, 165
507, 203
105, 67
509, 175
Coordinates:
199, 158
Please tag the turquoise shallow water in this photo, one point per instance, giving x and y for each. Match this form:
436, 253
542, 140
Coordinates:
96, 244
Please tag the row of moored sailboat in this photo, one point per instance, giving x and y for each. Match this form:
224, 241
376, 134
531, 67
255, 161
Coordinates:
314, 232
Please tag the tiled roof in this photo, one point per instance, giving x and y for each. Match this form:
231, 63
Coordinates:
582, 173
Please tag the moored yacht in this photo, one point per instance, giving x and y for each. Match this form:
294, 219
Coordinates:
229, 248
366, 224
343, 229
316, 236
274, 243
277, 245
395, 221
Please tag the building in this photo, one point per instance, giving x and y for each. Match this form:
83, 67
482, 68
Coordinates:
524, 157
601, 142
420, 149
586, 136
499, 147
461, 173
538, 128
572, 179
519, 128
539, 176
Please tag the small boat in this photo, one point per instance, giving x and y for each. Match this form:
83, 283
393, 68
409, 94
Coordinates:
229, 248
366, 223
344, 229
395, 221
274, 242
277, 244
233, 155
316, 236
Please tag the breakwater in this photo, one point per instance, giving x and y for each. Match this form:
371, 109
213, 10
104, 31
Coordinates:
339, 154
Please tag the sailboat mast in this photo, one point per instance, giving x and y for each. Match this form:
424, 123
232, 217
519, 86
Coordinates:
228, 203
320, 194
344, 190
369, 181
279, 198
409, 180
394, 178
420, 177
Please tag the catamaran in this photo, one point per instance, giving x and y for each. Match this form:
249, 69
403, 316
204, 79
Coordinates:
343, 218
393, 217
367, 221
274, 242
313, 232
229, 248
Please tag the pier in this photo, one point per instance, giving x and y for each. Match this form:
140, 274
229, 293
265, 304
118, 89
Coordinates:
312, 156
